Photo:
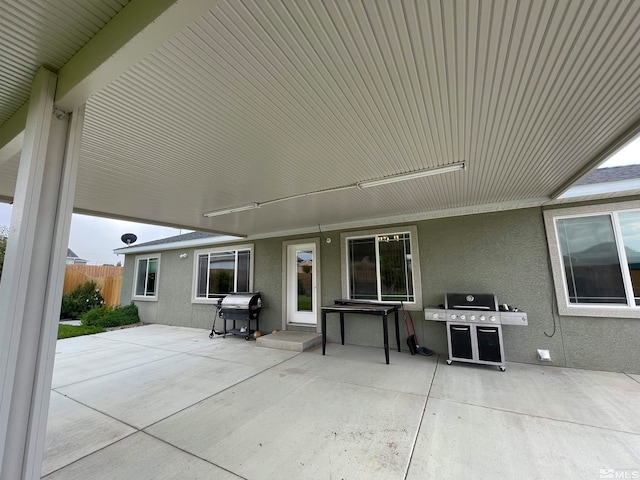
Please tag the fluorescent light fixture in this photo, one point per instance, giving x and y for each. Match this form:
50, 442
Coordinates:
411, 175
364, 184
241, 208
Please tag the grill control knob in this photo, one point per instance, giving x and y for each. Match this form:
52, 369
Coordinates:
462, 317
492, 318
472, 317
453, 316
482, 318
435, 315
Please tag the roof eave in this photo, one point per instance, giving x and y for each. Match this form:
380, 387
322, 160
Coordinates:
199, 242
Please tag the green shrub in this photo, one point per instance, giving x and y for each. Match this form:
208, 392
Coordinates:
80, 300
106, 316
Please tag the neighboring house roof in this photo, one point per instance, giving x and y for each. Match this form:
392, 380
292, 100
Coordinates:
606, 182
73, 257
611, 174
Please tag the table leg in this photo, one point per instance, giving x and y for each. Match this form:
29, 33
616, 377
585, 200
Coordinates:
397, 330
385, 330
342, 327
324, 331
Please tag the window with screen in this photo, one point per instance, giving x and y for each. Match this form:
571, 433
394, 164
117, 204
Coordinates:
146, 278
221, 271
595, 255
379, 266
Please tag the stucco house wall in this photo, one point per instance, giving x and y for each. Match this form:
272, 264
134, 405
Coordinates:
501, 252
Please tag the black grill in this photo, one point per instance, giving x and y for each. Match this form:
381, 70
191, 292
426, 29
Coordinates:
471, 301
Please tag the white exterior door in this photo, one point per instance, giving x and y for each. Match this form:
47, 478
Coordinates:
302, 298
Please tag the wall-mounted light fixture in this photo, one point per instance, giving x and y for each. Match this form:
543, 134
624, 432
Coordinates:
183, 255
411, 175
241, 208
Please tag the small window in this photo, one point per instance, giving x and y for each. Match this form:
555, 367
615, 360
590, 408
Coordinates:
146, 284
222, 270
379, 267
595, 256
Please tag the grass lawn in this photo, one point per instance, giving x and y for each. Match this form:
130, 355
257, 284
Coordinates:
68, 331
304, 303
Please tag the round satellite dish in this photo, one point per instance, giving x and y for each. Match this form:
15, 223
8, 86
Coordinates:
129, 238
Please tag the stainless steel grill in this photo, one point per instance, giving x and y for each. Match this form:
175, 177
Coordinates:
467, 307
474, 327
239, 307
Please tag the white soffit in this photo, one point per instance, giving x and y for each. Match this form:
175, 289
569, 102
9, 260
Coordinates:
261, 100
34, 33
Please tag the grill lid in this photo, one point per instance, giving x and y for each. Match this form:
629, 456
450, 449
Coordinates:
241, 301
471, 301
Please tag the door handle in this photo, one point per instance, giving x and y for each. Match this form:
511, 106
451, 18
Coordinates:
488, 330
460, 329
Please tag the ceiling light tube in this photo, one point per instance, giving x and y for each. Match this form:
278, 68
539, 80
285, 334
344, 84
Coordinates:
241, 208
411, 175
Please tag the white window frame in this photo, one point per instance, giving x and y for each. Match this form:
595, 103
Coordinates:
415, 260
145, 298
557, 267
230, 248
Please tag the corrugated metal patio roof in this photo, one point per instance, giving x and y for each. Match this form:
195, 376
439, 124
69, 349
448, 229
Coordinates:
199, 106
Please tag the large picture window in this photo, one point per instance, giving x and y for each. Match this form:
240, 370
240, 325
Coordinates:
596, 260
221, 271
146, 275
379, 266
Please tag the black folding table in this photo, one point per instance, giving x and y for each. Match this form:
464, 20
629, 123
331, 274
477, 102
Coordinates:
381, 310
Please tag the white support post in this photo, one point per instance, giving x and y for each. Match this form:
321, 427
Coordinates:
33, 277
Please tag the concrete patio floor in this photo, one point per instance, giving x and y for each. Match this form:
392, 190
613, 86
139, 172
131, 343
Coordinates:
158, 402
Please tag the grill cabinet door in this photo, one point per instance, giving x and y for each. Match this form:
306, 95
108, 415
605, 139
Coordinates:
488, 344
461, 341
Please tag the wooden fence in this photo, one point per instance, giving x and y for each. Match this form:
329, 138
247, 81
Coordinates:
108, 279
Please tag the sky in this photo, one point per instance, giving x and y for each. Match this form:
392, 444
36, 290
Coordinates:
95, 238
629, 155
